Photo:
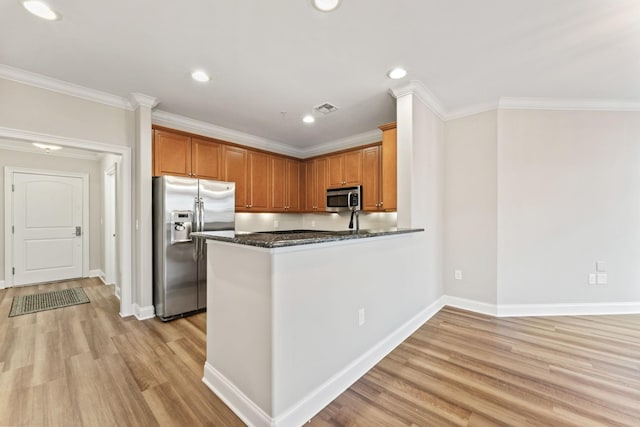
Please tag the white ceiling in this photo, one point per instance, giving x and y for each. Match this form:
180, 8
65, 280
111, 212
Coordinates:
266, 57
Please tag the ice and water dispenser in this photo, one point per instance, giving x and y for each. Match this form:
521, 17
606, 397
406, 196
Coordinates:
181, 226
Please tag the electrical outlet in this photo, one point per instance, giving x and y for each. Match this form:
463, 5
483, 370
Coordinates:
276, 223
457, 274
592, 279
601, 278
313, 223
361, 317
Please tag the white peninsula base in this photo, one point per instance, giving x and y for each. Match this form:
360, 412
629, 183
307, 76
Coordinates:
289, 329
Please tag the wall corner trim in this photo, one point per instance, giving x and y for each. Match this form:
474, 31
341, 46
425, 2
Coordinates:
143, 313
141, 100
417, 88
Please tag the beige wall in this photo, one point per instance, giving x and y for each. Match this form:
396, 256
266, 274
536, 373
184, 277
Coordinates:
568, 196
470, 207
55, 163
33, 109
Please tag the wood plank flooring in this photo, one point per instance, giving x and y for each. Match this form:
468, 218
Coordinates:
466, 369
86, 366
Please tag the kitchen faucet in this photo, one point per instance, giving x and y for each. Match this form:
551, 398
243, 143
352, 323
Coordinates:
354, 210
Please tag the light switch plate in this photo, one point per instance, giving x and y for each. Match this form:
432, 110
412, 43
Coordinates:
592, 279
601, 266
458, 274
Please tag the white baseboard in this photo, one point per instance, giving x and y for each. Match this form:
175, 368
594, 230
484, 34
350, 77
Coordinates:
471, 305
311, 404
314, 402
250, 413
97, 273
143, 313
586, 309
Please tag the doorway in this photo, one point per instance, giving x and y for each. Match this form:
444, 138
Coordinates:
110, 227
47, 213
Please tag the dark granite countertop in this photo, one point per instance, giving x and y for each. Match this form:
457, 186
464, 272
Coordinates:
284, 238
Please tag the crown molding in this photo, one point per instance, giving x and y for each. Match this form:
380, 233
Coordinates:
511, 103
471, 110
66, 88
141, 100
25, 147
175, 121
344, 143
417, 88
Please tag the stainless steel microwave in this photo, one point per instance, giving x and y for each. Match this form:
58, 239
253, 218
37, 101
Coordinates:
344, 199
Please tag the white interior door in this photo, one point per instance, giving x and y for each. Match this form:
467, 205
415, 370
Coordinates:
110, 226
47, 220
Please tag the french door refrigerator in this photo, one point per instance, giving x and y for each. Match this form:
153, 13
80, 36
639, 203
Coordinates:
180, 206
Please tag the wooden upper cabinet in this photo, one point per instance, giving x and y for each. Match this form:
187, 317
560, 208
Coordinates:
321, 184
183, 155
285, 185
371, 168
206, 159
316, 185
278, 184
345, 169
389, 181
335, 170
259, 181
268, 182
293, 180
234, 165
171, 154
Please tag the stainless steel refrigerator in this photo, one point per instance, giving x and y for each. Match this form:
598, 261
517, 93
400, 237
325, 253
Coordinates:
180, 206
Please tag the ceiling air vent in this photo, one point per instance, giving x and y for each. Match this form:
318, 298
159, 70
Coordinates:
326, 108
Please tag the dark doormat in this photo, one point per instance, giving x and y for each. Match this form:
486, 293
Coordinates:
25, 304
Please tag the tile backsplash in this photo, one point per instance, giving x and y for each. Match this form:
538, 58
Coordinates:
321, 221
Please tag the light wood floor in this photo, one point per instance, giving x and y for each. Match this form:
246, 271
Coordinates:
86, 366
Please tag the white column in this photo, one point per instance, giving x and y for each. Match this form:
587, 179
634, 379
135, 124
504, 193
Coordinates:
143, 268
421, 173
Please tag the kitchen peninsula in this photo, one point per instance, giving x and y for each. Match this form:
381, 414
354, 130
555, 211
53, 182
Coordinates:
294, 318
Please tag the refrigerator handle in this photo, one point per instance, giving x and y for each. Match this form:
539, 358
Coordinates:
201, 227
196, 227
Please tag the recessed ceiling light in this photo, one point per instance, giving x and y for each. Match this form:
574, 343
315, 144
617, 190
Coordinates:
326, 5
47, 147
40, 9
308, 119
200, 76
397, 73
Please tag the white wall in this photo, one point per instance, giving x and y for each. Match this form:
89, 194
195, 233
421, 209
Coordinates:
471, 207
39, 110
421, 183
63, 164
568, 196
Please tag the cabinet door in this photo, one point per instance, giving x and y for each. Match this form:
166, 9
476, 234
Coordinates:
235, 170
293, 185
371, 179
321, 184
389, 198
171, 154
353, 167
311, 186
335, 170
278, 184
259, 182
205, 159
